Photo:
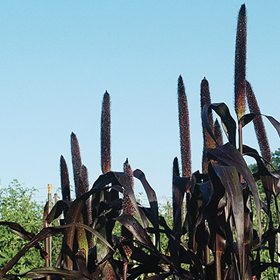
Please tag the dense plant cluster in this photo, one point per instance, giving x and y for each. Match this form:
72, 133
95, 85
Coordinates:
212, 234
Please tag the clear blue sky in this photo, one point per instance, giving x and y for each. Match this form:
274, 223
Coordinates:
57, 58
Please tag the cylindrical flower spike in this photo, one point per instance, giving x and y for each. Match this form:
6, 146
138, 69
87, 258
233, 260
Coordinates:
128, 207
106, 134
184, 129
208, 142
76, 160
258, 123
65, 182
240, 63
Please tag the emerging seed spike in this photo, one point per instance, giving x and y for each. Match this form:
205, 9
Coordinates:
208, 142
128, 208
64, 177
176, 172
218, 133
76, 160
240, 63
184, 129
84, 183
106, 134
258, 123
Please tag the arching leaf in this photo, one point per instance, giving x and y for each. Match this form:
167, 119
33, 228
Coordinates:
228, 122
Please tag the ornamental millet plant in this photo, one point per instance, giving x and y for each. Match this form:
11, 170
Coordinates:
219, 217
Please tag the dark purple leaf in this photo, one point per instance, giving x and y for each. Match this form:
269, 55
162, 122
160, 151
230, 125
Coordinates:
228, 122
275, 123
152, 201
19, 230
229, 178
41, 272
60, 207
136, 229
232, 157
247, 119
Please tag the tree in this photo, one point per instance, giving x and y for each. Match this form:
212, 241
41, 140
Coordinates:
17, 205
270, 273
276, 159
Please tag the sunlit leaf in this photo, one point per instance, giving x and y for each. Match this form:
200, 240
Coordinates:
247, 119
58, 209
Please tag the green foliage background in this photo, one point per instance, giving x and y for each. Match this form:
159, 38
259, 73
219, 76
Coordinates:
269, 273
17, 205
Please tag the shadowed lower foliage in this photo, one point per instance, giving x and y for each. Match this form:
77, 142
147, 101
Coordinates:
258, 123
